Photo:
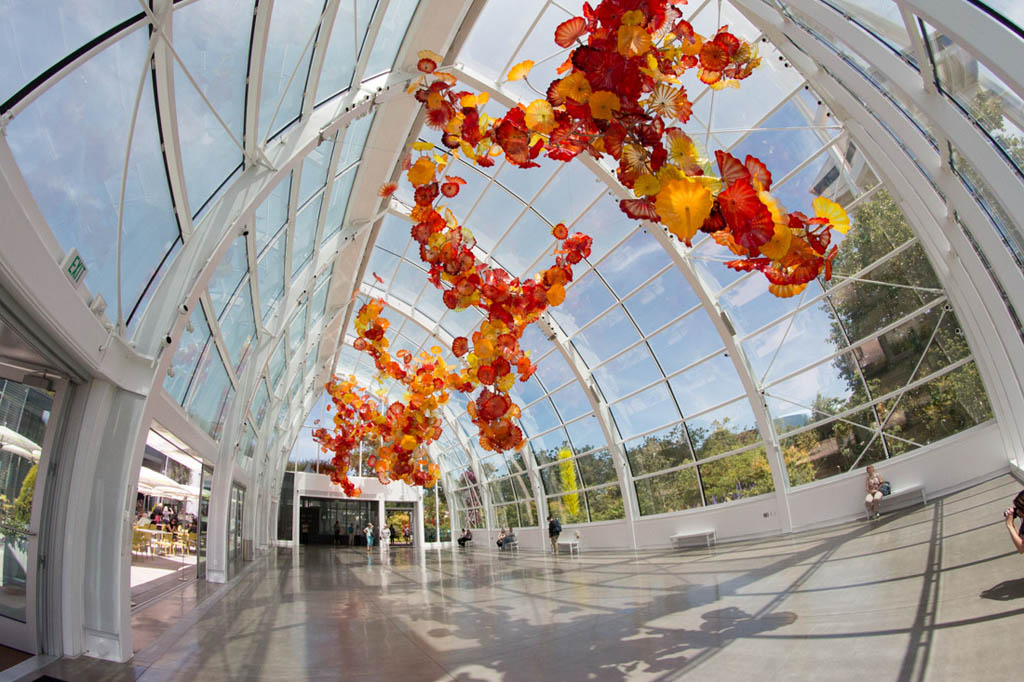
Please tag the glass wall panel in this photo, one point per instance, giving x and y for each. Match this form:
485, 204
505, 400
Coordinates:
596, 468
723, 430
212, 38
343, 51
36, 36
732, 478
570, 508
314, 170
645, 411
663, 449
353, 142
340, 192
304, 237
629, 372
605, 504
260, 401
187, 354
286, 62
708, 384
73, 164
210, 395
239, 326
675, 491
271, 277
297, 329
272, 214
319, 304
275, 368
226, 276
390, 37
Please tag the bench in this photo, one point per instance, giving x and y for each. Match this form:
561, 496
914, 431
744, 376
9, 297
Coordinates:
572, 543
684, 539
510, 545
898, 498
463, 544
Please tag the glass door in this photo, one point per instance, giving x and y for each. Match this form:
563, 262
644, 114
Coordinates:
235, 522
24, 429
206, 485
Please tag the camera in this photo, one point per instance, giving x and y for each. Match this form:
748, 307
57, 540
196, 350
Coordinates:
1010, 512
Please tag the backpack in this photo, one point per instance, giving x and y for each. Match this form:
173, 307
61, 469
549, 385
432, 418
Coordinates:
556, 527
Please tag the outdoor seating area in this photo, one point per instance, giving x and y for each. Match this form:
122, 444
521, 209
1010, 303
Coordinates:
154, 541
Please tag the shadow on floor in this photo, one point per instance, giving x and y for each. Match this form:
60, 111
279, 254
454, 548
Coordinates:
1006, 590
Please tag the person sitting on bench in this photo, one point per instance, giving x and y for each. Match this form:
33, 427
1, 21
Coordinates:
467, 535
501, 537
508, 539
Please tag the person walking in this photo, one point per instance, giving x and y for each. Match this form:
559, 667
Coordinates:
368, 532
385, 537
554, 530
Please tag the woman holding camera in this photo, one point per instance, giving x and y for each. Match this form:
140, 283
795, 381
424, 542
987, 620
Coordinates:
1015, 512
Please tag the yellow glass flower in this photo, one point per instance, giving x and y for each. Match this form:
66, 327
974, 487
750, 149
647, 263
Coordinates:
422, 172
603, 103
575, 86
520, 70
684, 205
837, 218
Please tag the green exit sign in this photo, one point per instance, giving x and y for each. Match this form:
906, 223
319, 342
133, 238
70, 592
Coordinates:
74, 267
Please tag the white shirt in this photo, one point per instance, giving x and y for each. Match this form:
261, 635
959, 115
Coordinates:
385, 533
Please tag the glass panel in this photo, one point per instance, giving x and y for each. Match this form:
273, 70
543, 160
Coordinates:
228, 273
994, 106
353, 142
527, 240
526, 182
664, 449
645, 411
390, 36
605, 504
732, 478
569, 193
314, 170
272, 214
547, 447
276, 366
585, 299
73, 164
832, 448
239, 327
688, 340
608, 335
260, 402
568, 509
36, 36
340, 192
596, 468
882, 19
487, 50
627, 373
493, 215
637, 259
211, 394
311, 360
664, 299
212, 38
305, 234
676, 491
944, 406
297, 329
539, 417
286, 62
571, 402
271, 277
785, 140
709, 383
319, 304
585, 434
343, 51
186, 356
723, 430
24, 413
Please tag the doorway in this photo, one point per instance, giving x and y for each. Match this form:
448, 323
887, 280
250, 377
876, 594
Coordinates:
25, 433
400, 517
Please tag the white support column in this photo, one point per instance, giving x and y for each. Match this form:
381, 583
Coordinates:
419, 540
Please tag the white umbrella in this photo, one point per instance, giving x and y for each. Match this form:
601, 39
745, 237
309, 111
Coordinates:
10, 437
163, 485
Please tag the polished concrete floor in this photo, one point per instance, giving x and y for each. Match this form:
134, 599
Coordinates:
934, 593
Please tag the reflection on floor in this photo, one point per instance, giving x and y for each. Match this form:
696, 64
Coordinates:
931, 594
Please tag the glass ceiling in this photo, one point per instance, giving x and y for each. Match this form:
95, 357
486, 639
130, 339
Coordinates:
641, 405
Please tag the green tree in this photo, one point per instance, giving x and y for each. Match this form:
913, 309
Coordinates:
21, 511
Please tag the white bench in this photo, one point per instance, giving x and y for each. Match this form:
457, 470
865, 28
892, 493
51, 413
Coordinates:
512, 545
684, 538
898, 498
573, 543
